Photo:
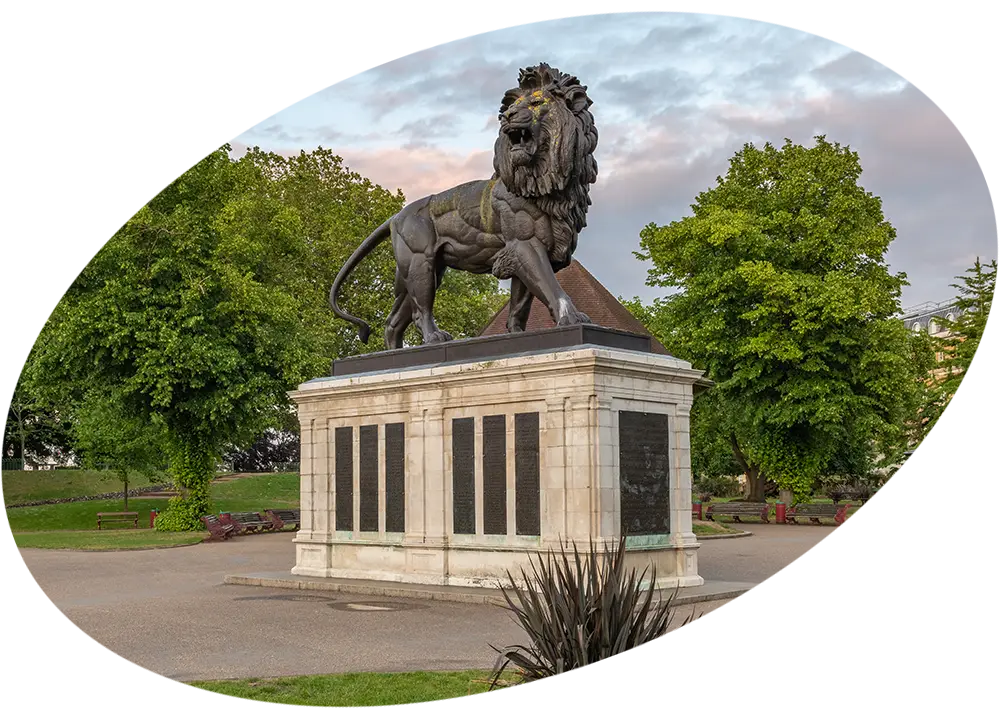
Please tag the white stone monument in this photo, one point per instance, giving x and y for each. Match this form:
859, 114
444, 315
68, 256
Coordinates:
450, 464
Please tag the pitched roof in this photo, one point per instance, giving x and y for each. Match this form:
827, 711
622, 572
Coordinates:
589, 296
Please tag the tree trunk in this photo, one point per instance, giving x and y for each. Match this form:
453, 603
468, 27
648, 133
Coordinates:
192, 468
755, 485
756, 482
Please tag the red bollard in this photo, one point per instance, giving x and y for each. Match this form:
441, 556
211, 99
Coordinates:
152, 517
779, 513
696, 509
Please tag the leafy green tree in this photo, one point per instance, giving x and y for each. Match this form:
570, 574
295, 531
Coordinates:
712, 453
107, 437
918, 399
189, 317
36, 430
337, 208
960, 340
787, 302
210, 303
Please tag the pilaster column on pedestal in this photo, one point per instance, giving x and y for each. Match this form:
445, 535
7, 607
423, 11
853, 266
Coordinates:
414, 479
432, 467
306, 474
320, 469
581, 468
553, 471
680, 483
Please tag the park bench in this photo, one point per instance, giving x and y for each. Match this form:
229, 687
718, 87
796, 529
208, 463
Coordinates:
218, 529
815, 511
735, 510
128, 517
282, 517
248, 522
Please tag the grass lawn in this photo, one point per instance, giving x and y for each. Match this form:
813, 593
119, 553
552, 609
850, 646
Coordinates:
704, 527
269, 490
355, 689
28, 486
117, 539
254, 493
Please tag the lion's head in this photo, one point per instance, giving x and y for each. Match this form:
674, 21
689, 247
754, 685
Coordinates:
547, 139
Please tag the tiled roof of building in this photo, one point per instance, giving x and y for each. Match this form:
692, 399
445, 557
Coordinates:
589, 296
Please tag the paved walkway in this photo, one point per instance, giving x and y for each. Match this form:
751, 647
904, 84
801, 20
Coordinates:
169, 611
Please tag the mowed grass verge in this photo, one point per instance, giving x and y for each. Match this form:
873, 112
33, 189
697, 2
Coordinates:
74, 525
706, 528
362, 689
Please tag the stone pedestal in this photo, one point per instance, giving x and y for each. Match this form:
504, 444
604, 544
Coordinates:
453, 473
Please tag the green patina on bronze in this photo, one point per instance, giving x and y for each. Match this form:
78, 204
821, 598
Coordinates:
486, 206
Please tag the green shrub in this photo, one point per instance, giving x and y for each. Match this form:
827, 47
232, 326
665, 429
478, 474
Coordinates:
184, 513
577, 610
716, 487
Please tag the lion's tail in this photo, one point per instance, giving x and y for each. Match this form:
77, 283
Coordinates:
374, 239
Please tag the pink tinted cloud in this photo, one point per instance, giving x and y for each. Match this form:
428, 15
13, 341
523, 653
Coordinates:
419, 171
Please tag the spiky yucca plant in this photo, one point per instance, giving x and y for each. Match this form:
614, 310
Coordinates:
580, 609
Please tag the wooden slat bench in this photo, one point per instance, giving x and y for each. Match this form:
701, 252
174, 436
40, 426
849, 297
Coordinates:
735, 510
127, 517
815, 511
218, 529
283, 517
248, 522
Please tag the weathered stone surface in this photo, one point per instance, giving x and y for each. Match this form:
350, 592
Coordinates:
469, 495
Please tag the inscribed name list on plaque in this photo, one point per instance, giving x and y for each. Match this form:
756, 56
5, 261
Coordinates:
344, 472
464, 475
644, 470
526, 512
495, 475
395, 477
368, 507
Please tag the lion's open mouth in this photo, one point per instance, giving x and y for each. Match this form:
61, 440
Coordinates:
520, 137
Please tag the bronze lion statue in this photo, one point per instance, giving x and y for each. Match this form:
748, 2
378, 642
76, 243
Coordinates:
522, 224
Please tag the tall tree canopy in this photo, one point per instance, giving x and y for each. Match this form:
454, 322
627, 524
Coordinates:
787, 302
210, 303
960, 339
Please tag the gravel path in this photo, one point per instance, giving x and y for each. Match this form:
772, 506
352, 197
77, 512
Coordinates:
168, 610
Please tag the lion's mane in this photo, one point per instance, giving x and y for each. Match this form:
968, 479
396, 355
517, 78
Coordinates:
560, 177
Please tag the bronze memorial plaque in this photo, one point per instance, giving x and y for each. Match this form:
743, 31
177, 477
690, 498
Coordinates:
527, 517
344, 477
495, 475
368, 479
463, 461
395, 472
644, 470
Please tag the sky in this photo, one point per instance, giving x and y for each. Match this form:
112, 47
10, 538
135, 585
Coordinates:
675, 96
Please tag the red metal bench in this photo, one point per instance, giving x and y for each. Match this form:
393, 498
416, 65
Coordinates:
284, 517
217, 528
815, 511
735, 510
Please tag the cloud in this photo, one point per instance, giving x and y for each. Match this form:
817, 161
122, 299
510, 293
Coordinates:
419, 171
675, 96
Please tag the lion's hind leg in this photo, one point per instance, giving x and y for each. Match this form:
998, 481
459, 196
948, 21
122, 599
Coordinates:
400, 317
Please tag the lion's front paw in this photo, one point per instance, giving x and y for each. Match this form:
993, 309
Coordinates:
572, 317
437, 337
